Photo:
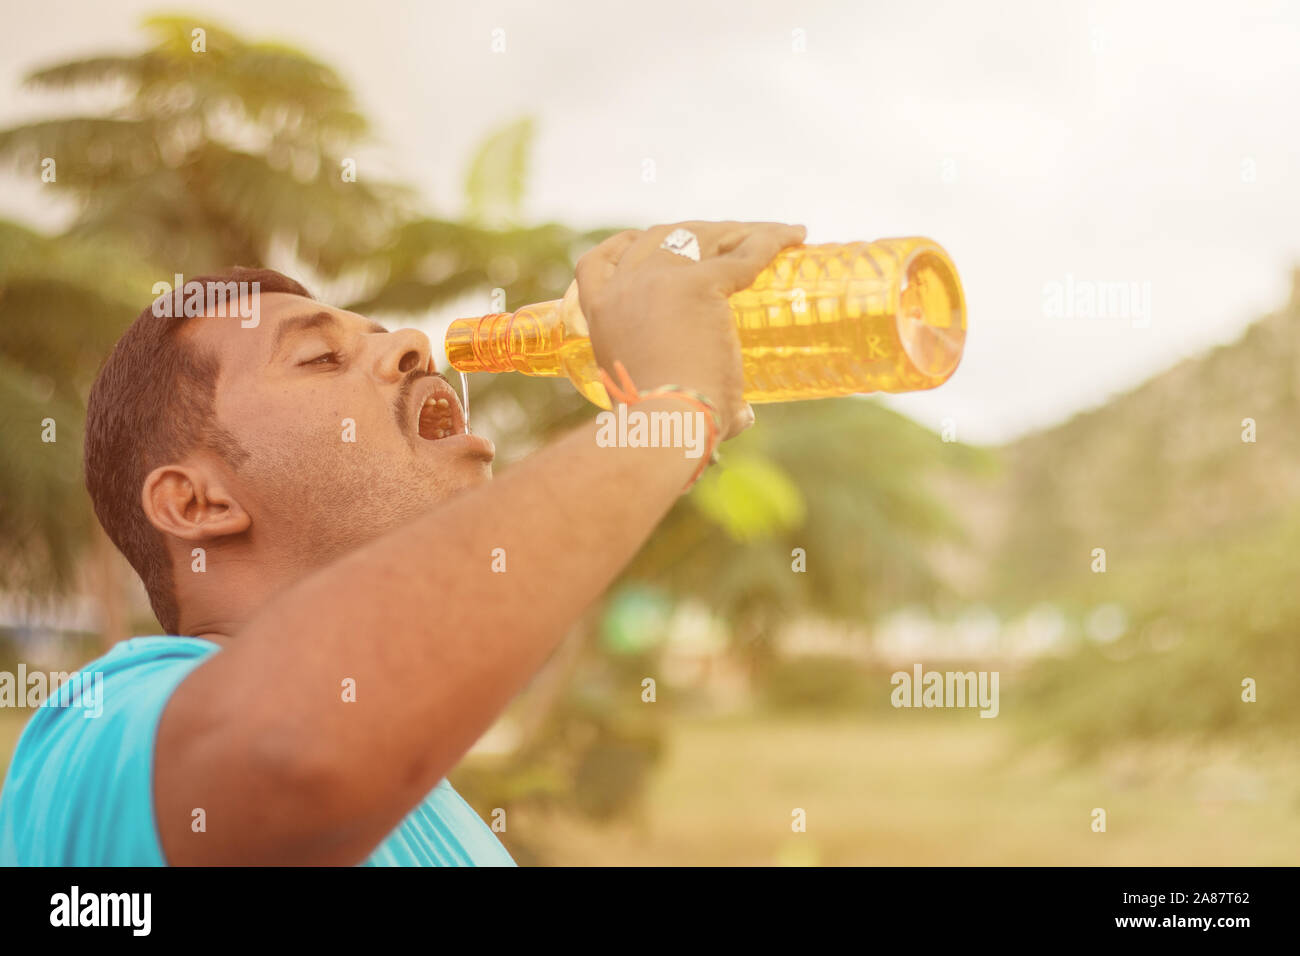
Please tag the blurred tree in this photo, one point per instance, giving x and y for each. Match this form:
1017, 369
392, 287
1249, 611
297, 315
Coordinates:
236, 153
1201, 538
497, 180
46, 358
212, 154
243, 153
844, 481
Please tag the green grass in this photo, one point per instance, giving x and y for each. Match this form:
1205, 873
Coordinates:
910, 790
918, 792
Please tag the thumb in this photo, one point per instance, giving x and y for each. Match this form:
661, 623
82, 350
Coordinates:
743, 419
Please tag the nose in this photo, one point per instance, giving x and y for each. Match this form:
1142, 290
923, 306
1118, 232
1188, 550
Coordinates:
400, 352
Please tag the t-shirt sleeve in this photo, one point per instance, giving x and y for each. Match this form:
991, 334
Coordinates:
79, 791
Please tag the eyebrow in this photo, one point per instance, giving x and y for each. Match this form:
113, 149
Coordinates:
314, 320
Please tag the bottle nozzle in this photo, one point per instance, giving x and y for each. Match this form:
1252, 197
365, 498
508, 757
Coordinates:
480, 344
524, 341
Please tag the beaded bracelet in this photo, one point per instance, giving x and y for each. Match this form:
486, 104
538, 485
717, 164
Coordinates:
627, 393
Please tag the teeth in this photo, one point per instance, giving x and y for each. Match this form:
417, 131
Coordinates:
442, 425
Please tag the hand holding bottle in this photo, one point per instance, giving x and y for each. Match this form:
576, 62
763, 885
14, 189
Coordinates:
667, 318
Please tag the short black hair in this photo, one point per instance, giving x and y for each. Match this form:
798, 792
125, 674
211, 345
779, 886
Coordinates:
153, 401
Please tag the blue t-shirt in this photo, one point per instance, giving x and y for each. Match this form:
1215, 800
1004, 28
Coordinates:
79, 791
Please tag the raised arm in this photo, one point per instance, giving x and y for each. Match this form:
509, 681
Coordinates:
259, 735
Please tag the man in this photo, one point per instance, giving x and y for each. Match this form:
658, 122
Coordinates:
339, 639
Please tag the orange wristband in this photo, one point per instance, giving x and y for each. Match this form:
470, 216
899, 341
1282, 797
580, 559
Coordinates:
626, 392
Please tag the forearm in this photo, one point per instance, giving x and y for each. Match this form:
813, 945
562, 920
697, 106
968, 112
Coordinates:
436, 641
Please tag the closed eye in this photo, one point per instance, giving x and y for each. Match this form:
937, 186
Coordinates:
327, 358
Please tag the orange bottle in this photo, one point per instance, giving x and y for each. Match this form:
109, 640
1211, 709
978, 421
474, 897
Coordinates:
819, 321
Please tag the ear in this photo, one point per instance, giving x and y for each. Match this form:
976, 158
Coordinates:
192, 504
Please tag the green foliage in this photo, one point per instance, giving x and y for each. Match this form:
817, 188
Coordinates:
223, 158
211, 160
1200, 621
592, 757
843, 479
210, 157
821, 686
43, 518
46, 363
750, 499
207, 161
1202, 542
63, 301
427, 262
496, 181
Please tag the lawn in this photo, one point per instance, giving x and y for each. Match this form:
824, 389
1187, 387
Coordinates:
922, 792
917, 792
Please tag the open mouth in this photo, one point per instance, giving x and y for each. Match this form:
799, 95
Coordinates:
438, 412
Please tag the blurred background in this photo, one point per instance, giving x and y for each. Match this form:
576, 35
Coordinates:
1047, 148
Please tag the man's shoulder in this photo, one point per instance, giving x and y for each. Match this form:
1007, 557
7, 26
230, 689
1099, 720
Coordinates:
87, 754
117, 680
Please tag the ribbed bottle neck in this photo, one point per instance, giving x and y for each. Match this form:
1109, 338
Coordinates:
481, 344
505, 341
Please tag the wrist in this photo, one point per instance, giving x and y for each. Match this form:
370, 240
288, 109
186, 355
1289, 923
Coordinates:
648, 418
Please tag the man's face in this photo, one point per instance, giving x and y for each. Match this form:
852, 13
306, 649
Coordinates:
348, 431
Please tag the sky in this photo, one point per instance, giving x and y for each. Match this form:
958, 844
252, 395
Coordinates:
1060, 152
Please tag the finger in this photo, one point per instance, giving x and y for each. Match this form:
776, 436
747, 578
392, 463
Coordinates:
712, 235
731, 238
708, 234
741, 420
737, 269
744, 418
597, 264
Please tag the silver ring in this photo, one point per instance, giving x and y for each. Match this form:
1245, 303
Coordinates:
682, 242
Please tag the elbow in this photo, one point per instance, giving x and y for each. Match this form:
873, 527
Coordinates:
332, 806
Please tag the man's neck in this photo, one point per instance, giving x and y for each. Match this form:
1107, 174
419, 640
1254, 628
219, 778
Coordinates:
217, 606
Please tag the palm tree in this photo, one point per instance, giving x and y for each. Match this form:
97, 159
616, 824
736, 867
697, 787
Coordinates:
45, 363
210, 159
212, 155
238, 154
221, 151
